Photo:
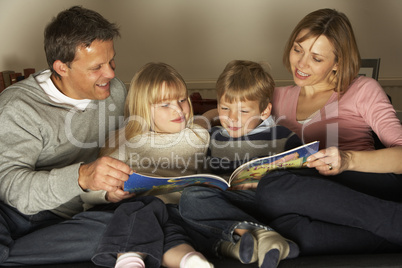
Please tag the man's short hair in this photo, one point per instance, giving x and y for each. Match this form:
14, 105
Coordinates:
74, 27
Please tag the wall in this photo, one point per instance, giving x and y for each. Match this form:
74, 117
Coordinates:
198, 37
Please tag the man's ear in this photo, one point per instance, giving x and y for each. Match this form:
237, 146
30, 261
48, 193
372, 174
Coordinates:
60, 67
267, 112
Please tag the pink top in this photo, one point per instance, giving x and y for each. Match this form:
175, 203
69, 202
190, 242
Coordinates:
346, 123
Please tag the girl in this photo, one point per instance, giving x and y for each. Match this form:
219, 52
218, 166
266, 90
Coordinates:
158, 138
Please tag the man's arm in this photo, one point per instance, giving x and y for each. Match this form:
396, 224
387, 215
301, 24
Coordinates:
24, 184
38, 171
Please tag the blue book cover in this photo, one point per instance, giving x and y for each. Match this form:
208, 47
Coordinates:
249, 172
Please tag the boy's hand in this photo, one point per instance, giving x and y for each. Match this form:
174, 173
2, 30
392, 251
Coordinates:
245, 186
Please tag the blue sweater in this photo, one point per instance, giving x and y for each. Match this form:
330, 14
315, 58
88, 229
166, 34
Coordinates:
226, 153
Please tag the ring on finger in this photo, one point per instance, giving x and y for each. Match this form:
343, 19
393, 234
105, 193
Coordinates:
330, 166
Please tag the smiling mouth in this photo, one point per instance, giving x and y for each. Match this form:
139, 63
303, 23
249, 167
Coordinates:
103, 85
234, 128
178, 120
300, 73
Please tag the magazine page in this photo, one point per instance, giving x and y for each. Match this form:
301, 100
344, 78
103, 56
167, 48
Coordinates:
254, 170
138, 183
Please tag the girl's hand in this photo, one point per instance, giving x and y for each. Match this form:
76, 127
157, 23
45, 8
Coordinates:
330, 161
118, 195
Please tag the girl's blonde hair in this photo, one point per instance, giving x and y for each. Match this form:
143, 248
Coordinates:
152, 84
337, 28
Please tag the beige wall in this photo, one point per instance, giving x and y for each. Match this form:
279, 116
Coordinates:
199, 37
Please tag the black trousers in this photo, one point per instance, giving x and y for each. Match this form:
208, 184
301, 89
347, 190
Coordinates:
353, 212
140, 225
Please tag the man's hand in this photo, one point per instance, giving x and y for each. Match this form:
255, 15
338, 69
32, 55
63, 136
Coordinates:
105, 173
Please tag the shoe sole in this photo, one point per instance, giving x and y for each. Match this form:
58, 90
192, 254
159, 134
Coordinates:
248, 245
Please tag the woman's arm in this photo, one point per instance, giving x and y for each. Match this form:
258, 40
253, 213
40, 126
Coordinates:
386, 160
332, 161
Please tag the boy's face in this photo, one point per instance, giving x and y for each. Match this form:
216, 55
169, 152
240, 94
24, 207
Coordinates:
240, 117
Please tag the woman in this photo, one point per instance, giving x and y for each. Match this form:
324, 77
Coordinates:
348, 201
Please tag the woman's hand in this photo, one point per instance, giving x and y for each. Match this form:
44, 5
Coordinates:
330, 161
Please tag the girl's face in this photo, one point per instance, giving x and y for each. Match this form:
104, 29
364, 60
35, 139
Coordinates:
312, 61
170, 115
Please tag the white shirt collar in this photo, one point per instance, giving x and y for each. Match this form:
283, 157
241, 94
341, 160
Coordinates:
55, 95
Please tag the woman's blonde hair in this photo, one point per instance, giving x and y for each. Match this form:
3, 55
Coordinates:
337, 28
152, 84
245, 80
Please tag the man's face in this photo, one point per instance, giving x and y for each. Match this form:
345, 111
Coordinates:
89, 74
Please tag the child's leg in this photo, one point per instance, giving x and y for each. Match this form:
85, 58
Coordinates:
136, 227
178, 249
215, 213
185, 256
130, 260
224, 216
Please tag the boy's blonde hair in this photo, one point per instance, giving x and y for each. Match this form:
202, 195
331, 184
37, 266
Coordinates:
243, 80
152, 84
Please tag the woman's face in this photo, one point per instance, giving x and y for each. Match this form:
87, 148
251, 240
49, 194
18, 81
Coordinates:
312, 61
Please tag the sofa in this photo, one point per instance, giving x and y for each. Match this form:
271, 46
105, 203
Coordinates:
391, 260
325, 261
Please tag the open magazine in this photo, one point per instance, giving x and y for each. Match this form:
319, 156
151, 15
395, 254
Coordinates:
249, 172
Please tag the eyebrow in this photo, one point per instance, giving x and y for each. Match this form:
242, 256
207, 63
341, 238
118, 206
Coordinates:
100, 64
164, 99
315, 53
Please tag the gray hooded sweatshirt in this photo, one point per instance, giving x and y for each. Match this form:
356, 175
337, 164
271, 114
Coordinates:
43, 144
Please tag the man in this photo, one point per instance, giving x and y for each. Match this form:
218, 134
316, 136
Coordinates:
52, 125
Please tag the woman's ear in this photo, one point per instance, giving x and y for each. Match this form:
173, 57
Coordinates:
267, 112
335, 67
60, 67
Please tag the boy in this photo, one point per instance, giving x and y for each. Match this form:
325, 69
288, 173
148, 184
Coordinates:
247, 131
